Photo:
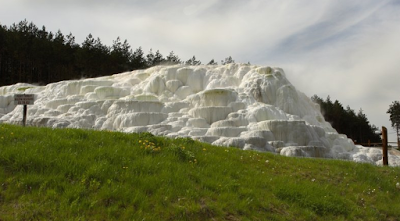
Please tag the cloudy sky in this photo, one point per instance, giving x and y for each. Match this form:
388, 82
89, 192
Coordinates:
348, 49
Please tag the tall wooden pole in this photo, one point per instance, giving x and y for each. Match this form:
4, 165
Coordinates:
384, 147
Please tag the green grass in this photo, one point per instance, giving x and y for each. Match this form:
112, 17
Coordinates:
72, 174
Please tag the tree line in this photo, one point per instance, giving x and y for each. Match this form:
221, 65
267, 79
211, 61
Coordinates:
35, 55
346, 121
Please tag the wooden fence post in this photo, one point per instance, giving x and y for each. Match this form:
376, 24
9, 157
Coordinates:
384, 147
398, 143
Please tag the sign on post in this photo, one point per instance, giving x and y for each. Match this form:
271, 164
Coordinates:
24, 99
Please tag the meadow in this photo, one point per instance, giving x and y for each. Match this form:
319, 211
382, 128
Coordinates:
75, 174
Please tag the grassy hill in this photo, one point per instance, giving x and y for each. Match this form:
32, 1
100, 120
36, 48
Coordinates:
72, 174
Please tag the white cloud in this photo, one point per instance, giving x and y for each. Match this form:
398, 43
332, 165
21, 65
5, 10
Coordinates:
360, 69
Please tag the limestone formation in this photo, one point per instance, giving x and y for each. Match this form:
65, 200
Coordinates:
236, 105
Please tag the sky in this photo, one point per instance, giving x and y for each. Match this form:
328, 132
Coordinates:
347, 49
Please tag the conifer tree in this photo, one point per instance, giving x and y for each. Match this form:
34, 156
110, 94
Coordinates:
394, 111
227, 60
150, 58
158, 58
212, 62
120, 56
193, 61
173, 59
138, 61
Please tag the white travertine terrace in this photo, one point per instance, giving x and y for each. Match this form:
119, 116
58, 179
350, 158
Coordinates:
237, 105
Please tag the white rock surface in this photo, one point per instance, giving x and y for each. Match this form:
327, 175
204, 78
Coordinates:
238, 105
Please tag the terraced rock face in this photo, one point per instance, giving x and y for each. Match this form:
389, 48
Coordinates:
243, 106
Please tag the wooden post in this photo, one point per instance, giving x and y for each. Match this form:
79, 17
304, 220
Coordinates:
398, 143
24, 115
384, 146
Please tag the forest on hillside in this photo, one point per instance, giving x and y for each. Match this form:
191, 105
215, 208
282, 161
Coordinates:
35, 55
346, 121
32, 55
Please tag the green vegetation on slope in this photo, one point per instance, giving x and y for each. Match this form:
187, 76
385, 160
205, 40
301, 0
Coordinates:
71, 174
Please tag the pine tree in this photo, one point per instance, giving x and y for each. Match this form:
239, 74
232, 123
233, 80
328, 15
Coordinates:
173, 59
158, 58
93, 58
150, 57
70, 40
227, 60
193, 61
138, 61
212, 62
120, 56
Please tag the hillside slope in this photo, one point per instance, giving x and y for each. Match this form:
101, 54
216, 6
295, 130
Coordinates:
74, 174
